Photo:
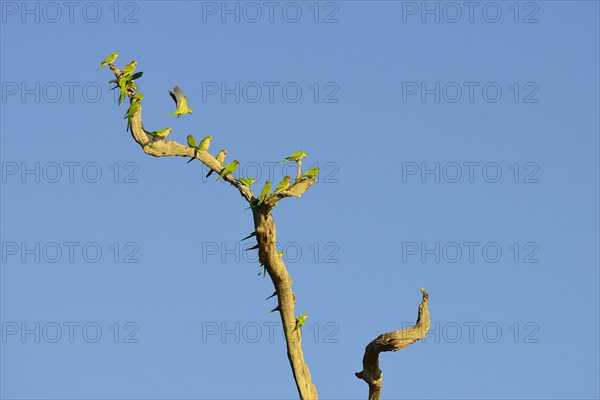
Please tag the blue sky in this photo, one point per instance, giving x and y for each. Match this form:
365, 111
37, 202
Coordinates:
458, 149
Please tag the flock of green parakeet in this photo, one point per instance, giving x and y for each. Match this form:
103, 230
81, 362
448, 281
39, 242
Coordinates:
125, 82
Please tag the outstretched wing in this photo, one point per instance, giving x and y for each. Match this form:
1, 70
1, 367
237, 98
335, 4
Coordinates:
178, 97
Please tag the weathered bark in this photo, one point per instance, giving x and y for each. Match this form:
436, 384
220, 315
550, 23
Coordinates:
267, 255
266, 237
391, 341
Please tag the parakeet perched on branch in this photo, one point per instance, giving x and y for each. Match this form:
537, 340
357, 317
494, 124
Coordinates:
110, 59
311, 173
161, 133
134, 107
246, 181
205, 143
296, 156
191, 142
128, 69
180, 103
283, 185
300, 321
264, 193
221, 159
229, 168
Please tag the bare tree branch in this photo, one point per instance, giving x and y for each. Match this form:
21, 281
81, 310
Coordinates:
392, 341
265, 236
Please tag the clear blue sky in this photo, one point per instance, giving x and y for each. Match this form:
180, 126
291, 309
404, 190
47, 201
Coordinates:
387, 94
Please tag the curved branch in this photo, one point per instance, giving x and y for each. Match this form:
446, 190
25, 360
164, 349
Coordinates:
171, 148
265, 235
392, 341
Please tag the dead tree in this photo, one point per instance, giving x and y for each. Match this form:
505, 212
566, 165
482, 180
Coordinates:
266, 236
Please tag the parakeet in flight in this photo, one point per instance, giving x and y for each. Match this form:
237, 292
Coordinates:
265, 192
296, 156
129, 69
221, 159
246, 181
180, 103
283, 185
300, 321
110, 59
311, 173
161, 133
229, 168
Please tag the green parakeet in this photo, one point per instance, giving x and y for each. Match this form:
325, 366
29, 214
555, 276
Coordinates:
246, 181
161, 133
129, 69
110, 59
205, 143
133, 77
229, 168
122, 85
300, 321
265, 192
311, 173
191, 141
296, 156
221, 159
283, 185
134, 107
180, 103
